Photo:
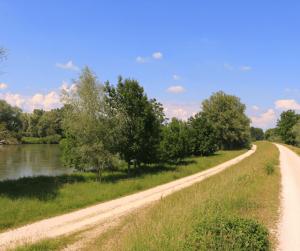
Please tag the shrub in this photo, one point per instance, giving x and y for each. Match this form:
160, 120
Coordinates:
228, 233
270, 168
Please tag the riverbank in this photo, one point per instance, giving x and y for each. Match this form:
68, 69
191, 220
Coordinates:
53, 139
28, 200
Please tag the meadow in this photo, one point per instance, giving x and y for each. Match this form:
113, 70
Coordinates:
30, 199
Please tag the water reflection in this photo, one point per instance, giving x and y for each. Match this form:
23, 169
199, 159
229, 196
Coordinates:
30, 160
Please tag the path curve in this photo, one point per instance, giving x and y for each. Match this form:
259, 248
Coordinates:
289, 226
88, 217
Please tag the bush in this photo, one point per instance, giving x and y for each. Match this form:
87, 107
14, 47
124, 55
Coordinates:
270, 168
228, 233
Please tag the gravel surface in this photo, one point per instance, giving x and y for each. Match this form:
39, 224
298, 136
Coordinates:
94, 215
289, 226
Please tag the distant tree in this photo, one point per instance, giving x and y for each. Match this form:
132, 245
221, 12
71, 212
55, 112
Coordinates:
49, 123
256, 133
91, 124
11, 115
285, 124
175, 143
3, 56
141, 119
296, 132
228, 116
268, 134
203, 135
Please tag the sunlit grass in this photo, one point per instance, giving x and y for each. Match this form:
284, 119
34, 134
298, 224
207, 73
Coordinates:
30, 199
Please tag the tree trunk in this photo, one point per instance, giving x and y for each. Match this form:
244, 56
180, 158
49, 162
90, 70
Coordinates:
135, 166
100, 178
98, 171
129, 167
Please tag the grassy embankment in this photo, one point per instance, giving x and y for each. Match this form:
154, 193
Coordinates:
27, 200
248, 190
53, 139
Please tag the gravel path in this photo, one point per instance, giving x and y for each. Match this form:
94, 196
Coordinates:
289, 226
91, 216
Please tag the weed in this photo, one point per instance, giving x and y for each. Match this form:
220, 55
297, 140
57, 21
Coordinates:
270, 168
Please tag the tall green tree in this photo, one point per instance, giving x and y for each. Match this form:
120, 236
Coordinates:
268, 132
227, 114
203, 135
11, 115
91, 124
141, 119
175, 143
256, 133
296, 132
285, 124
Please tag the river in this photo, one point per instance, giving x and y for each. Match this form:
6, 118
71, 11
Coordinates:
30, 160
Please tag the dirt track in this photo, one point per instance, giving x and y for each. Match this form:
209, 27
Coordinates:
289, 227
88, 217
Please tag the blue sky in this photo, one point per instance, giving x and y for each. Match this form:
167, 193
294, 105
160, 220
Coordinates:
180, 51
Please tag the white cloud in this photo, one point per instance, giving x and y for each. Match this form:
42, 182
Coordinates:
176, 77
194, 113
245, 68
64, 85
296, 90
142, 60
287, 90
264, 119
287, 104
157, 55
3, 86
179, 112
67, 66
255, 108
228, 66
176, 89
14, 99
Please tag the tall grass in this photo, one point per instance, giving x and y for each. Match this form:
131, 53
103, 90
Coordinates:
245, 193
30, 199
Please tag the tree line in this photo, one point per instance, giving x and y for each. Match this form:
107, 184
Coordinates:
287, 129
103, 123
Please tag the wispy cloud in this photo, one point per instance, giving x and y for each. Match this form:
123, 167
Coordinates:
3, 86
67, 66
228, 66
142, 60
255, 108
245, 68
264, 119
287, 90
157, 55
176, 89
176, 77
287, 104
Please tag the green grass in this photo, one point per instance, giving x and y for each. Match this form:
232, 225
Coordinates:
246, 193
30, 199
53, 139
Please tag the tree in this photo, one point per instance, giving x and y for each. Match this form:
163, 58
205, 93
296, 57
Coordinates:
202, 134
11, 115
140, 122
3, 56
175, 143
91, 124
268, 134
227, 114
256, 133
285, 124
49, 124
296, 132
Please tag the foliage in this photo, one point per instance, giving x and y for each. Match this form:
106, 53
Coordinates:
3, 56
270, 168
285, 124
228, 233
140, 123
228, 116
11, 116
51, 139
256, 133
296, 131
7, 137
94, 126
268, 132
202, 135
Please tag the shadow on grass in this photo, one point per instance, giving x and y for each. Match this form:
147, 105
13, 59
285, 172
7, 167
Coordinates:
47, 188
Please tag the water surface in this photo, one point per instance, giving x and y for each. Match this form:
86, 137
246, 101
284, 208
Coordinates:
30, 160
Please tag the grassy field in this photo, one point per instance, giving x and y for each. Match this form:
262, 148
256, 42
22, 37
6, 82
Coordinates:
248, 191
31, 199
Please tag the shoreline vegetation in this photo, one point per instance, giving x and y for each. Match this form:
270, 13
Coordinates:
30, 199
